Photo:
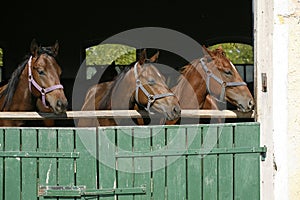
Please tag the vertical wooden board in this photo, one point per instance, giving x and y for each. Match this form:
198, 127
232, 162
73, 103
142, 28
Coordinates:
246, 183
210, 163
12, 169
66, 169
158, 163
176, 166
1, 164
194, 164
225, 168
142, 165
125, 165
107, 159
47, 142
86, 164
29, 165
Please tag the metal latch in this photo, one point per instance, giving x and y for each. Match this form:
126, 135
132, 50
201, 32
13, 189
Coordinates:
79, 191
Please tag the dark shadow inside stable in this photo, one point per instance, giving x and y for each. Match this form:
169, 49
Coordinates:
87, 24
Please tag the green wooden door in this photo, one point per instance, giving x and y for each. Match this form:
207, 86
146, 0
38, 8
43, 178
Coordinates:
200, 162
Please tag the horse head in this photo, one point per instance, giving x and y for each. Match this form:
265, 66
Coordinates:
146, 89
44, 78
223, 81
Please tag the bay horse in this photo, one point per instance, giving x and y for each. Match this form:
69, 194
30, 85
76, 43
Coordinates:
208, 82
140, 86
35, 85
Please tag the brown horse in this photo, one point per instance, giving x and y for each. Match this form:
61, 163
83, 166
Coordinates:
140, 87
35, 85
210, 81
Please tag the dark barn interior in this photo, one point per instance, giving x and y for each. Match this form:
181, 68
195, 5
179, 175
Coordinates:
77, 25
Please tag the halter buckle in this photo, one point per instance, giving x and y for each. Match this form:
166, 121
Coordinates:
151, 98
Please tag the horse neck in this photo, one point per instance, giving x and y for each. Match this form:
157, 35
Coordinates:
191, 88
122, 92
22, 99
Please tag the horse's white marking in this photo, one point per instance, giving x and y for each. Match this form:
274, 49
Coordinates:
233, 66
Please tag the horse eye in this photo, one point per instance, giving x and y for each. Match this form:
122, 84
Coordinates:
151, 81
41, 72
228, 72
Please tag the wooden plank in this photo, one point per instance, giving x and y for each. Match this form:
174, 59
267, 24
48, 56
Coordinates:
12, 168
66, 168
86, 164
122, 114
225, 168
142, 166
47, 142
246, 174
194, 164
210, 163
1, 165
107, 159
29, 165
176, 166
158, 164
125, 167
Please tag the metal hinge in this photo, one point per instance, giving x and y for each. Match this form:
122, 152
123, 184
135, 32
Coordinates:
80, 191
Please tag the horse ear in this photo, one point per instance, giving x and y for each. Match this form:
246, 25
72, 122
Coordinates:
154, 58
206, 51
34, 47
55, 48
143, 57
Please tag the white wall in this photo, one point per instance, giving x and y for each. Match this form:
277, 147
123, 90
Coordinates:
277, 53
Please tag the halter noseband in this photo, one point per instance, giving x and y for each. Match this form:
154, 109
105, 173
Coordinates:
151, 98
220, 81
42, 90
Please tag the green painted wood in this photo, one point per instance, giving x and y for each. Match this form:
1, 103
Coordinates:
210, 163
194, 164
86, 165
107, 160
246, 174
158, 186
66, 168
1, 165
12, 166
47, 141
125, 176
142, 165
176, 165
229, 171
29, 165
225, 168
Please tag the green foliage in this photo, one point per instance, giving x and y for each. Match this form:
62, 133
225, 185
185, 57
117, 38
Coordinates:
105, 54
236, 52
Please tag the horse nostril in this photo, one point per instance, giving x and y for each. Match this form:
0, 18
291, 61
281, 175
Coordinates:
251, 104
177, 109
61, 104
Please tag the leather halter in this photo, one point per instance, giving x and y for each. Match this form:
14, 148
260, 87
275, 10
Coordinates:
151, 98
223, 84
42, 90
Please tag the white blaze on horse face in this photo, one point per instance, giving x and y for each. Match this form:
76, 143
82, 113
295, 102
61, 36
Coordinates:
233, 66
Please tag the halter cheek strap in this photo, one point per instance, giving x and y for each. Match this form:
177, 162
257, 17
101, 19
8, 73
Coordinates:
42, 90
151, 98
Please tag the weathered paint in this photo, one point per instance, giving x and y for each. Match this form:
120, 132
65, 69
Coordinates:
277, 53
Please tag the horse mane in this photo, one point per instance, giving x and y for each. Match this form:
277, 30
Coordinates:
9, 91
12, 83
116, 82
